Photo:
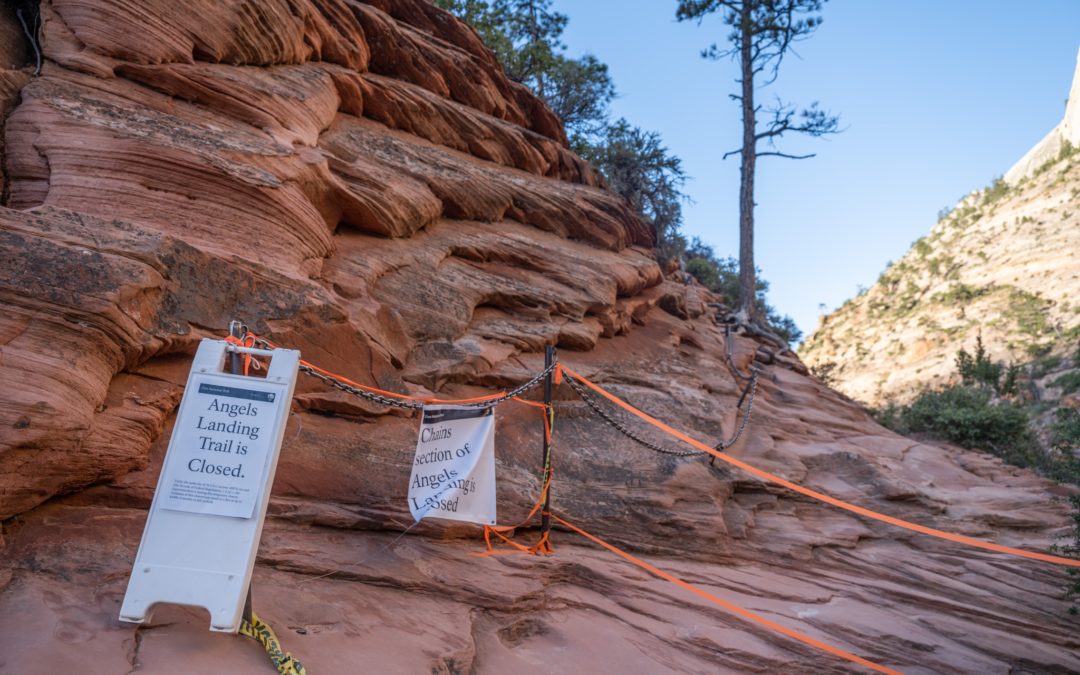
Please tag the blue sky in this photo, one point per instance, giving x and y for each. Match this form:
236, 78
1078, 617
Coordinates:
937, 97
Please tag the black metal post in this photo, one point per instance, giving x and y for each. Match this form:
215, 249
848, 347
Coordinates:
545, 515
236, 361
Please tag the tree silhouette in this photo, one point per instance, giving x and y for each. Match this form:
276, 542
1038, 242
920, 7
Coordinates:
638, 166
526, 38
762, 33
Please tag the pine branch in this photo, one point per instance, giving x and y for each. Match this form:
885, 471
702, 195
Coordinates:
773, 153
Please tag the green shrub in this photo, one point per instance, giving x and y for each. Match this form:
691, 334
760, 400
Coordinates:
980, 369
995, 191
923, 247
705, 272
721, 275
959, 294
825, 372
1069, 382
1067, 150
890, 416
1028, 311
966, 416
1065, 431
1010, 385
784, 326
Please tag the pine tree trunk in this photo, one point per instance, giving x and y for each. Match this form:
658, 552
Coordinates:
747, 306
534, 34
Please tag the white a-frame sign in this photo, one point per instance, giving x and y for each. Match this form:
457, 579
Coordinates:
204, 525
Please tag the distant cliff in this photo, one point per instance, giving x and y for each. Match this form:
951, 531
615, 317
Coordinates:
1067, 132
1005, 263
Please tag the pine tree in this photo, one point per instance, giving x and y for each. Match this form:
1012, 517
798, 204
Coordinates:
762, 33
525, 36
638, 166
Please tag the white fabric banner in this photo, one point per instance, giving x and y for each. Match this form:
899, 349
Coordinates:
453, 472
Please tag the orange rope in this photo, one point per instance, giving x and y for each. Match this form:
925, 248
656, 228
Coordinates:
243, 342
376, 390
535, 404
543, 546
765, 475
548, 414
746, 614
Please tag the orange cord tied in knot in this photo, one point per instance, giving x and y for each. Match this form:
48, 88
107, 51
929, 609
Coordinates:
248, 341
543, 546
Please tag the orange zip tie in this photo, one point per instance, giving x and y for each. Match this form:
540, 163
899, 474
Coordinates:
744, 613
795, 487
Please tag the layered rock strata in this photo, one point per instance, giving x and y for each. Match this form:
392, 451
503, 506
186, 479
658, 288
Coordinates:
360, 181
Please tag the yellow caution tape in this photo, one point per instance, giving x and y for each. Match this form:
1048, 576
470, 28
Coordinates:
282, 660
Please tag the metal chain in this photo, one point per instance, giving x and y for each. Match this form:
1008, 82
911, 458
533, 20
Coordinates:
517, 391
746, 416
412, 405
592, 403
730, 359
355, 391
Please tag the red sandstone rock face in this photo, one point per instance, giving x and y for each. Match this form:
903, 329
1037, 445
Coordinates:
359, 181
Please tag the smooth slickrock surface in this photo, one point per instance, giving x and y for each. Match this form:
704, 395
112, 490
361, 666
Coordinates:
360, 182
